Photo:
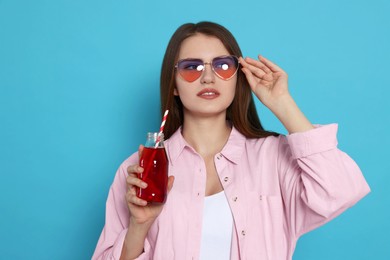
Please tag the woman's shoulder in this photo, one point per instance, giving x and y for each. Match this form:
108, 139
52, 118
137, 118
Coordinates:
271, 141
121, 172
130, 160
258, 147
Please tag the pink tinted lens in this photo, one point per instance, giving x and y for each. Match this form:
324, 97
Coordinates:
190, 69
225, 67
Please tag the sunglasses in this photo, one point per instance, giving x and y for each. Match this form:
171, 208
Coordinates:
225, 67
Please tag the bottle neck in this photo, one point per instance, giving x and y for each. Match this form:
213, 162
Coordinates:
155, 140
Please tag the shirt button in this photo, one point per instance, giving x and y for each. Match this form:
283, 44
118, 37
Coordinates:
226, 179
235, 199
261, 197
243, 232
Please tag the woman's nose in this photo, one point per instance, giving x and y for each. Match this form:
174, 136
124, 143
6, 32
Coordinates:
208, 74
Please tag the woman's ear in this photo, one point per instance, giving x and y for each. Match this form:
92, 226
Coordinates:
175, 92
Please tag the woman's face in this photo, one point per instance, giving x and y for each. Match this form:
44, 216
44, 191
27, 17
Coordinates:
208, 95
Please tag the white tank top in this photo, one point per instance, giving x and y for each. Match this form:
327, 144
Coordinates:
217, 228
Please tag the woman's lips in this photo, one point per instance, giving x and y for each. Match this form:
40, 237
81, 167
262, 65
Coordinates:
208, 93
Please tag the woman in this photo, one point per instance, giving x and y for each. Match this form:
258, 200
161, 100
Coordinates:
249, 191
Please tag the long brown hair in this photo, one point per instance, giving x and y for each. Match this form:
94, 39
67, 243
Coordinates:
241, 112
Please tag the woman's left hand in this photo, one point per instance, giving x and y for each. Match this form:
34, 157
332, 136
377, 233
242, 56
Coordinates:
267, 81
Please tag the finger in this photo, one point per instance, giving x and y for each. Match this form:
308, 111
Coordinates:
132, 190
134, 169
250, 78
130, 198
135, 181
255, 68
258, 63
270, 64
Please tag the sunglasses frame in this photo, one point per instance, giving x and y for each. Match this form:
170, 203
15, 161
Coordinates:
212, 67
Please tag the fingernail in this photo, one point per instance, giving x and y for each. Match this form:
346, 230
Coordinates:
144, 185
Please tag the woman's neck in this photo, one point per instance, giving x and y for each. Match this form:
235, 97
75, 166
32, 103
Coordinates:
206, 135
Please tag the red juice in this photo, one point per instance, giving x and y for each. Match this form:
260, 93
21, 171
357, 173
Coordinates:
155, 174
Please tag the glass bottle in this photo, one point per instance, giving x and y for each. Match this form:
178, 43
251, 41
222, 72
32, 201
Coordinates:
155, 163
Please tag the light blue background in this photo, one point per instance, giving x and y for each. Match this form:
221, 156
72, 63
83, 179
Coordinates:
79, 86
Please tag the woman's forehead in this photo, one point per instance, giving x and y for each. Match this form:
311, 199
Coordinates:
202, 46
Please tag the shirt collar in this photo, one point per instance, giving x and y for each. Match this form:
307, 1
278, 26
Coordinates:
232, 150
234, 147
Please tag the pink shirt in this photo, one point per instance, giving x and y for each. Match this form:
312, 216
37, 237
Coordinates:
278, 188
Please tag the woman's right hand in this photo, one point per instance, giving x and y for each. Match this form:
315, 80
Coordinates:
140, 211
142, 214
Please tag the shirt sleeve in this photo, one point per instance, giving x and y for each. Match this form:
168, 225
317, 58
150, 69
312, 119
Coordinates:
117, 215
318, 181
